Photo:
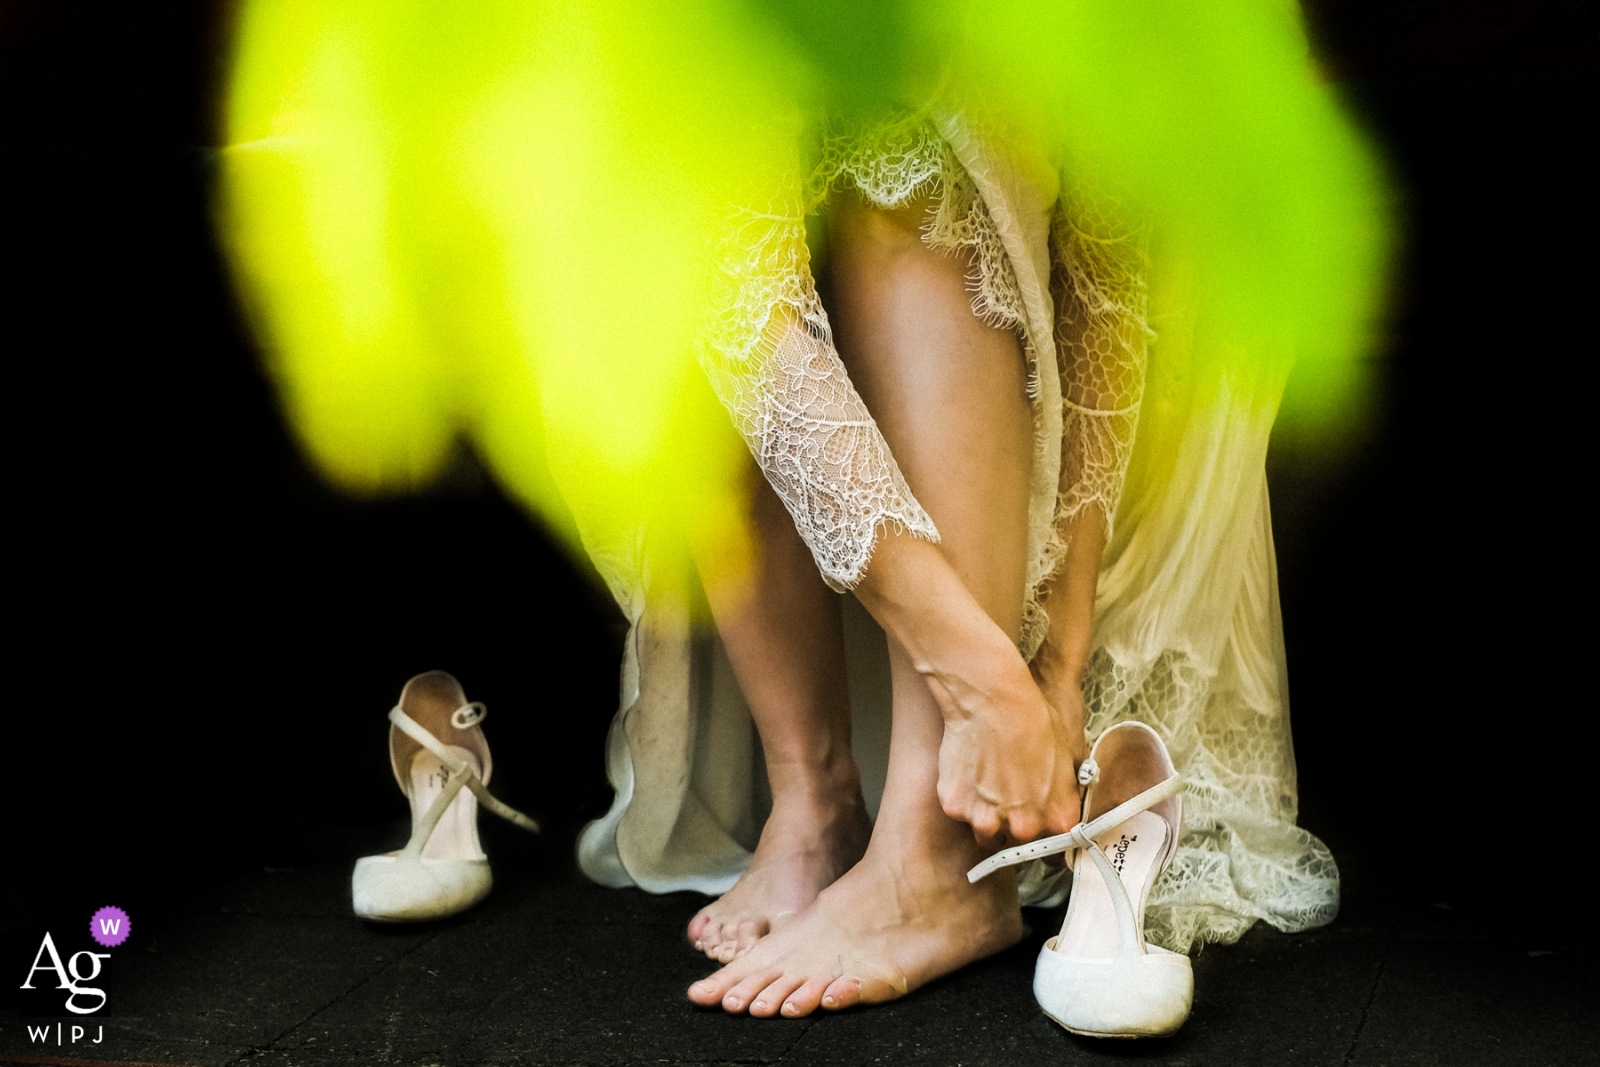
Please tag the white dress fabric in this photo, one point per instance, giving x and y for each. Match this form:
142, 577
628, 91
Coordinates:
1187, 631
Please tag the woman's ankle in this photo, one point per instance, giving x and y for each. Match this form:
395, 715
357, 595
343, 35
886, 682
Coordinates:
827, 783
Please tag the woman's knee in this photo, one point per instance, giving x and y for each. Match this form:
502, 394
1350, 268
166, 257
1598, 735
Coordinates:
859, 227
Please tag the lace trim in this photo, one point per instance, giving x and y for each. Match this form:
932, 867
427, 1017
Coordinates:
769, 353
771, 358
1240, 857
895, 162
1097, 279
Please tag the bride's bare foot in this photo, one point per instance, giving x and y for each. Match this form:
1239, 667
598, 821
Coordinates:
811, 838
899, 919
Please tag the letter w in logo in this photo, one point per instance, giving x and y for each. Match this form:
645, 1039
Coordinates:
109, 927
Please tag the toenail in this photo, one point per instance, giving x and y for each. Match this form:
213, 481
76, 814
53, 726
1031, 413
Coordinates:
789, 1009
759, 1004
827, 1000
732, 1002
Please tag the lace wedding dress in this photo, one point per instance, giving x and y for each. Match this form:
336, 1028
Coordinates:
1128, 418
486, 225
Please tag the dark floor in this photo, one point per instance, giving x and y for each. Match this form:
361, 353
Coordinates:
270, 968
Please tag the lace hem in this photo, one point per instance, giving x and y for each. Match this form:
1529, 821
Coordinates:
1098, 270
1240, 857
771, 357
895, 162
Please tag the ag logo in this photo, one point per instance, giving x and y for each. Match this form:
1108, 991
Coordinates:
109, 927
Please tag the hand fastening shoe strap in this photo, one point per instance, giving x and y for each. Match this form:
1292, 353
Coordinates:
458, 770
1080, 836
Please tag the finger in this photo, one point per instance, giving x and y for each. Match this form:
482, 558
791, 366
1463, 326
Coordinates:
985, 822
954, 798
1024, 824
1063, 816
1066, 800
1064, 812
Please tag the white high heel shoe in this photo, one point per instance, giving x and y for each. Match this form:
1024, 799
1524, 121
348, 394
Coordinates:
443, 869
1098, 977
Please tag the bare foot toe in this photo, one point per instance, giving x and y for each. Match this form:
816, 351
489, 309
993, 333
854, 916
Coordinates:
804, 1000
885, 928
842, 993
811, 838
771, 999
744, 992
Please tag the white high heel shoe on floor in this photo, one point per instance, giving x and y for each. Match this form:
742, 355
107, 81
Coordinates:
442, 870
1098, 977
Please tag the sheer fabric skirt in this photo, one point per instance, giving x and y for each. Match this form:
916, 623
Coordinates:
1129, 418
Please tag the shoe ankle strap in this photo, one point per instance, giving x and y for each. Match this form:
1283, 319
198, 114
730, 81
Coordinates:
1080, 836
418, 733
458, 768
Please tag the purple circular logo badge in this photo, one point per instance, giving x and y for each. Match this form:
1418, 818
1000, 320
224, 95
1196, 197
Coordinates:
109, 926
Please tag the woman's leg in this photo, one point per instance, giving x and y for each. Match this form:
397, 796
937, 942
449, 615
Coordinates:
1068, 599
950, 396
783, 634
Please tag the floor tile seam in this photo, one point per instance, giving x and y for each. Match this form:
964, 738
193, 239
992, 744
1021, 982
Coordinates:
271, 1045
810, 1021
1366, 1008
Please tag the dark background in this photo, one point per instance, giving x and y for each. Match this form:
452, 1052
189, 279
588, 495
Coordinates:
203, 639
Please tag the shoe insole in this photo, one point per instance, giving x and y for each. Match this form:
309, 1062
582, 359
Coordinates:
456, 835
1134, 847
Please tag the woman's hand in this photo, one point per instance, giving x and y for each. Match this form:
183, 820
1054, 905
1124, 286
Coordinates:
1008, 760
1060, 679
